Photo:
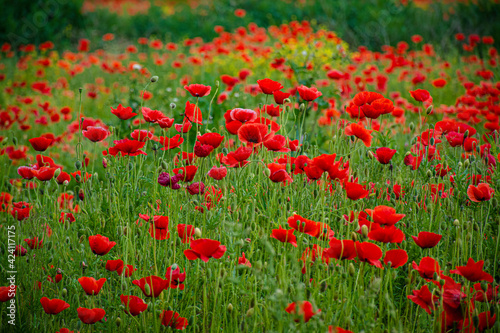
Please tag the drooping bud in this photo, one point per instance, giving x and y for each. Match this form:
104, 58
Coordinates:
154, 79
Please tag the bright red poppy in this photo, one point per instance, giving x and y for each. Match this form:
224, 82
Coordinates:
384, 215
420, 95
133, 305
427, 240
198, 90
151, 286
205, 249
308, 94
473, 271
100, 245
217, 173
185, 232
123, 113
174, 277
384, 155
127, 148
40, 143
284, 235
359, 132
303, 310
427, 267
53, 306
269, 86
396, 258
188, 172
91, 286
254, 133
424, 299
159, 228
173, 319
355, 191
90, 316
483, 192
95, 133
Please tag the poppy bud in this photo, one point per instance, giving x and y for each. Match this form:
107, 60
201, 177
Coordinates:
429, 109
287, 100
432, 141
225, 151
66, 183
250, 312
370, 154
14, 141
147, 289
4, 141
475, 320
64, 292
460, 165
57, 173
466, 163
197, 233
267, 172
81, 194
412, 126
354, 236
351, 269
164, 165
429, 173
302, 107
80, 90
173, 106
466, 134
154, 79
78, 165
472, 158
229, 306
456, 223
364, 230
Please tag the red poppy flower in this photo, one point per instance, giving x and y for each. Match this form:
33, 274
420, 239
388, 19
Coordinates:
302, 309
127, 148
184, 127
212, 139
278, 174
173, 319
420, 95
483, 192
389, 234
254, 133
473, 271
44, 173
279, 96
26, 172
237, 117
303, 225
360, 132
201, 150
165, 122
217, 173
205, 249
276, 143
34, 243
188, 172
185, 232
427, 240
151, 286
269, 86
396, 258
341, 249
238, 157
123, 113
193, 113
424, 299
95, 133
90, 285
308, 94
114, 265
133, 305
368, 252
152, 116
439, 83
198, 90
53, 306
90, 316
384, 155
6, 293
355, 191
366, 97
196, 188
159, 228
40, 143
427, 267
63, 177
284, 235
100, 245
142, 135
455, 139
174, 277
170, 143
384, 215
244, 261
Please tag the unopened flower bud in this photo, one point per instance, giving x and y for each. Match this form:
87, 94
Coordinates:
118, 321
229, 306
154, 79
173, 106
250, 312
429, 109
364, 230
412, 126
351, 269
57, 173
197, 233
456, 223
302, 107
78, 165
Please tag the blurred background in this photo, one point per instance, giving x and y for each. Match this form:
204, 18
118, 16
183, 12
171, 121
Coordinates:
372, 23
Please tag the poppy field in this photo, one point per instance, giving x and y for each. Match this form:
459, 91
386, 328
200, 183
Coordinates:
269, 179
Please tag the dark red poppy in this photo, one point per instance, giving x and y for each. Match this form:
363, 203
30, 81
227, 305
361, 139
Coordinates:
127, 148
303, 310
123, 113
483, 192
100, 245
188, 172
95, 133
90, 285
217, 173
473, 271
384, 155
20, 251
427, 240
7, 293
396, 258
53, 306
201, 150
134, 305
284, 235
420, 95
308, 94
424, 299
173, 319
174, 277
40, 143
205, 249
186, 232
90, 316
151, 286
212, 139
34, 243
159, 228
427, 267
198, 90
196, 188
269, 86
